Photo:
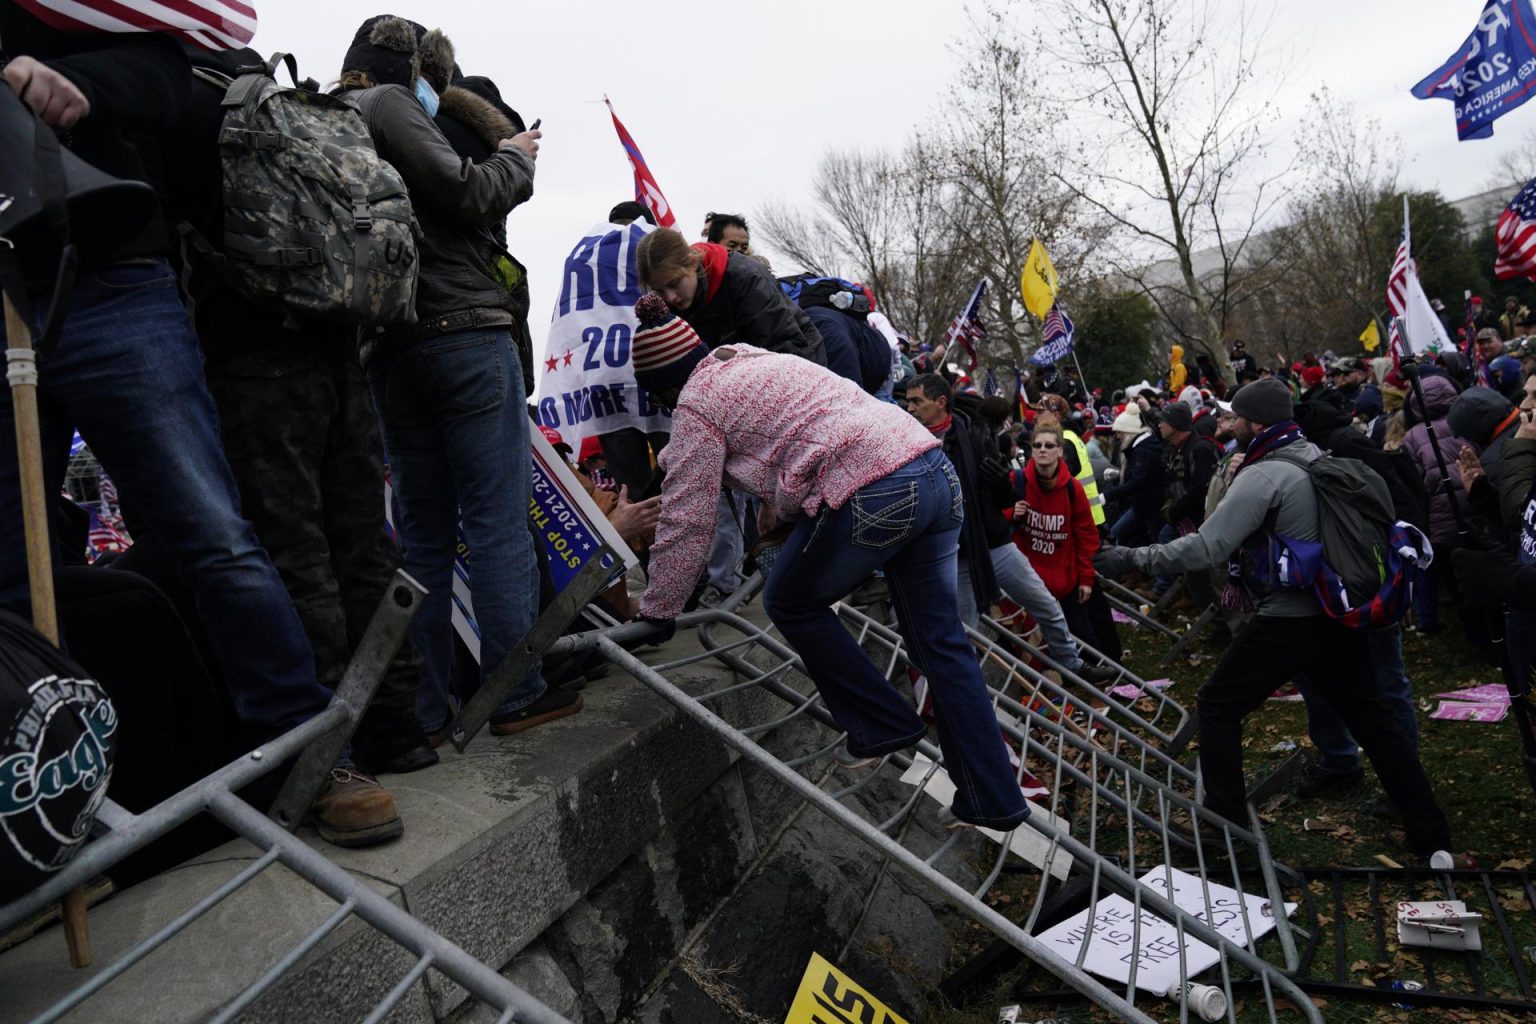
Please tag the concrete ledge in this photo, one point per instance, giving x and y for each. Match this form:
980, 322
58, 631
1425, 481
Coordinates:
500, 842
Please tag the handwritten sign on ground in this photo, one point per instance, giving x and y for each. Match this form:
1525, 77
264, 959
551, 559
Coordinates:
828, 996
1108, 929
1027, 842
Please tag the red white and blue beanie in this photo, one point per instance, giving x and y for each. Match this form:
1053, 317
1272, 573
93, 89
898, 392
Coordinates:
666, 348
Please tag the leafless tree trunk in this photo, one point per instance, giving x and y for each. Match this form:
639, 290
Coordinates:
1176, 153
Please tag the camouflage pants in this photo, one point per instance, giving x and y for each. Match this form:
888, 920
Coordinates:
301, 436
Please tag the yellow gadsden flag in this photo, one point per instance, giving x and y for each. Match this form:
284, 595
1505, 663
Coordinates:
1371, 337
1038, 283
828, 996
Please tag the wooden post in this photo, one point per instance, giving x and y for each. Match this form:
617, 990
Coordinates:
21, 369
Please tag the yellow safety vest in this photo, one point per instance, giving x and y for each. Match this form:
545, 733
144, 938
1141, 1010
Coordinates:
1085, 477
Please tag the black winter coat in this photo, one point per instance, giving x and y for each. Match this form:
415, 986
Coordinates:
969, 446
749, 306
854, 349
1142, 481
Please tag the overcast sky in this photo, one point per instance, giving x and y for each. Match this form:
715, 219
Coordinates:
734, 103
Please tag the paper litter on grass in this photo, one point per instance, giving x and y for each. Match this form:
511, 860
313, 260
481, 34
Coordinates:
1488, 693
1027, 841
1459, 711
1130, 691
1122, 618
1112, 942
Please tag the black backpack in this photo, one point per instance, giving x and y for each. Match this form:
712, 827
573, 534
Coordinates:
58, 742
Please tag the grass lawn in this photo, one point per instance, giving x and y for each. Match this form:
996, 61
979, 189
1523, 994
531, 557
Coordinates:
1478, 778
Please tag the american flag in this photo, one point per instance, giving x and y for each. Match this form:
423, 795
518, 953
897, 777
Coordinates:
1397, 281
211, 24
1516, 235
966, 331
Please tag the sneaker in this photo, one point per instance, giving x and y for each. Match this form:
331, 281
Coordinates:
354, 810
1032, 787
712, 597
1095, 673
555, 703
847, 759
1317, 780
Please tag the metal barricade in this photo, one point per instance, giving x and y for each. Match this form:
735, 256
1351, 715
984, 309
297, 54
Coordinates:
127, 833
1122, 815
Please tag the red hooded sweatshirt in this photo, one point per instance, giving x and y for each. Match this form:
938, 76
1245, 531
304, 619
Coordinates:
1057, 535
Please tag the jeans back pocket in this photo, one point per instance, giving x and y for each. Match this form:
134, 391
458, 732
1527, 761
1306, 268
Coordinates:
883, 514
956, 496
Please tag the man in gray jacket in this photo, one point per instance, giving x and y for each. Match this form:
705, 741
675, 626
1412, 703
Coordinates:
1271, 493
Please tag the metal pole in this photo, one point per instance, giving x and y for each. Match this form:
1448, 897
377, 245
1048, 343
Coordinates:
21, 372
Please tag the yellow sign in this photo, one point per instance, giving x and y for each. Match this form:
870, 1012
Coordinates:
1037, 282
1370, 337
828, 996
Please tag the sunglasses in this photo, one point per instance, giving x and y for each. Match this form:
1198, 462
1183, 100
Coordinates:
1046, 445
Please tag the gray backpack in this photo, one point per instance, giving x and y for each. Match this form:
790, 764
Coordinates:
315, 221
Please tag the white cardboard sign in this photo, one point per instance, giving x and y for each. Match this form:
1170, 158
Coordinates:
1112, 940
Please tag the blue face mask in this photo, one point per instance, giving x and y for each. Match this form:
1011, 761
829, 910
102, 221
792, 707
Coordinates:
427, 95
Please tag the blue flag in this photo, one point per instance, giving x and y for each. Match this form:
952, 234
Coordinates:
1492, 73
1056, 337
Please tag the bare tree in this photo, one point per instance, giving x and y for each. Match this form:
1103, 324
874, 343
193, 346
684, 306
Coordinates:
1175, 151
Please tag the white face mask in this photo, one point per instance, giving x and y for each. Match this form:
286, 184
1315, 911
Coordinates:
427, 96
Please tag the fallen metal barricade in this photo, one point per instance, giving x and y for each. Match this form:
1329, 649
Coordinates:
1121, 819
127, 833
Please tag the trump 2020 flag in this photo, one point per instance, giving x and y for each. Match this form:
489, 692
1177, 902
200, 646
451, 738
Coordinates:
1056, 337
1492, 73
646, 189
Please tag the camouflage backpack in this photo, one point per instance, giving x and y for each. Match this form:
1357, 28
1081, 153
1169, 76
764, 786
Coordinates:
314, 219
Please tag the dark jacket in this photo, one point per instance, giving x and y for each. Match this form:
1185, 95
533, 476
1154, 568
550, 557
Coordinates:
738, 299
458, 204
854, 349
137, 84
970, 448
1141, 480
1188, 469
1487, 419
1330, 427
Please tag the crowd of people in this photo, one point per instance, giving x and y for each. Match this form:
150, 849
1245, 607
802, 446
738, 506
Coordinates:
249, 445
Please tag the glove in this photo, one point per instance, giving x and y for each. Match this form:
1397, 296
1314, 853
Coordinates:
1113, 563
662, 630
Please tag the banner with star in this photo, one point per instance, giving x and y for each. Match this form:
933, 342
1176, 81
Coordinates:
586, 380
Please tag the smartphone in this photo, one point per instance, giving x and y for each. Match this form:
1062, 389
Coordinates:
536, 122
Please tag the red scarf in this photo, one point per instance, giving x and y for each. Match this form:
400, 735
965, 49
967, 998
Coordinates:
941, 427
712, 260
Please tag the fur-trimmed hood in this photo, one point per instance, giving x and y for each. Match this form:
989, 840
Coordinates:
482, 117
397, 51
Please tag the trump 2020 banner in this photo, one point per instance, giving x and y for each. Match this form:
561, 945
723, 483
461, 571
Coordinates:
1492, 73
562, 516
586, 380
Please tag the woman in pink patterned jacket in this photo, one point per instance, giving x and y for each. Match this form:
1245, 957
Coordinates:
870, 489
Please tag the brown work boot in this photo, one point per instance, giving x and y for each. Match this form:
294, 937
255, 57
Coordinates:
354, 810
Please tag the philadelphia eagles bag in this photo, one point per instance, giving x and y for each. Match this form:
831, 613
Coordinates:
57, 746
315, 221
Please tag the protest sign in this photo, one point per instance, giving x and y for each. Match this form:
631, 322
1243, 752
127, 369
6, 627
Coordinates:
828, 996
1461, 711
586, 379
1488, 693
563, 516
1114, 943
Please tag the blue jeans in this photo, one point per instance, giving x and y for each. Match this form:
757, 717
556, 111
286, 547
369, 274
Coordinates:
728, 546
1166, 534
1019, 582
909, 523
456, 427
1336, 748
1130, 530
128, 374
